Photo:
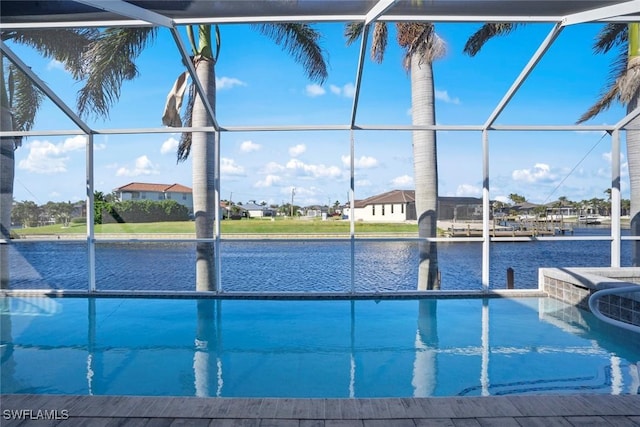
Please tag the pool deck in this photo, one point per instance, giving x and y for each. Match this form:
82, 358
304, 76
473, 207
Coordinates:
544, 411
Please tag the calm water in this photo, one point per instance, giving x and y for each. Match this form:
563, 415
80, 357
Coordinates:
309, 266
270, 348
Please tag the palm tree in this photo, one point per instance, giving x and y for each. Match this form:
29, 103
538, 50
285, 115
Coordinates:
421, 47
113, 61
19, 102
624, 87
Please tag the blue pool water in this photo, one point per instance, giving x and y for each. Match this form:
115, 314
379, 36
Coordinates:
311, 348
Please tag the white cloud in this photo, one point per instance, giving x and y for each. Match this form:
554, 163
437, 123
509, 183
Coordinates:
348, 90
443, 95
142, 166
364, 162
296, 150
402, 181
363, 183
540, 172
47, 158
228, 82
169, 146
316, 171
54, 64
314, 90
468, 190
230, 167
249, 146
273, 168
268, 181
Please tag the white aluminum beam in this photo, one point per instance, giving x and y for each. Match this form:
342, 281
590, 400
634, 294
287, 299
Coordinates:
616, 10
361, 58
375, 12
319, 128
615, 199
546, 44
129, 10
43, 87
378, 10
486, 201
626, 119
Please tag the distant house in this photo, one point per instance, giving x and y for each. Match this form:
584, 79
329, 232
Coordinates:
156, 192
392, 206
400, 205
315, 211
255, 210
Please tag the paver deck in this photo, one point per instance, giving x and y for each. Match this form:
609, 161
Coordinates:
546, 411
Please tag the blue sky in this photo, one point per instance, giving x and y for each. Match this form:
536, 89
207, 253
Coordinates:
259, 84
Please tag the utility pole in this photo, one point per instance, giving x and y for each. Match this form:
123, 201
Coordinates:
293, 193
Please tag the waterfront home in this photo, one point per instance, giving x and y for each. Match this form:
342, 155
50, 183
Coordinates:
148, 191
254, 210
392, 206
399, 206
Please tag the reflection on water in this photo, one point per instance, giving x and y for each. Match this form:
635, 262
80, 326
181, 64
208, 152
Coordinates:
296, 266
278, 348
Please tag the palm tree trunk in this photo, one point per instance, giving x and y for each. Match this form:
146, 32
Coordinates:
203, 164
7, 166
633, 146
425, 170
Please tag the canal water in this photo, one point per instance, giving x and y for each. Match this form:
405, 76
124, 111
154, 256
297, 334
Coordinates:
299, 266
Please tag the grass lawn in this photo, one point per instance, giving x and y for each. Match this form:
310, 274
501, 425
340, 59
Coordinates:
244, 226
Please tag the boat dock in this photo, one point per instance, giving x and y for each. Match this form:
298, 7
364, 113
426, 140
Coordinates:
517, 229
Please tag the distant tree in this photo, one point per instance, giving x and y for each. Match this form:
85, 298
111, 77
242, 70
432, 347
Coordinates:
25, 213
625, 206
517, 199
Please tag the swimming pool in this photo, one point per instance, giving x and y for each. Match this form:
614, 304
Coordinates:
311, 348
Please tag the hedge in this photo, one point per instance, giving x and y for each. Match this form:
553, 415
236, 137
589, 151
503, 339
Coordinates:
142, 211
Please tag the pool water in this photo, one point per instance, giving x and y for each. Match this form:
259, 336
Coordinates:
311, 348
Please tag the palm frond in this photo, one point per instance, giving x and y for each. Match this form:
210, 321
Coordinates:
184, 147
611, 35
603, 103
353, 31
419, 38
617, 69
25, 101
64, 45
379, 41
485, 33
301, 41
109, 61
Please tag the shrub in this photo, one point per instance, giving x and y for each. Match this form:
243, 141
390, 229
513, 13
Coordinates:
143, 211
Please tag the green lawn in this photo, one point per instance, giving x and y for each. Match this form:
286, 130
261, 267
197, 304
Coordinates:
244, 226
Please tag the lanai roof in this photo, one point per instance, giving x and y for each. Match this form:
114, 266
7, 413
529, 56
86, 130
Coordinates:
25, 14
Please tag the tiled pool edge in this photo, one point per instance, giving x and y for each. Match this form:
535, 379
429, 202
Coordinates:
439, 294
575, 285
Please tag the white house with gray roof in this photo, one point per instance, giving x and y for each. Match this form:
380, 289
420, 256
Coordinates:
400, 206
392, 206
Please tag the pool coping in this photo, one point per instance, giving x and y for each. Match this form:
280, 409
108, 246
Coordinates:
575, 285
58, 293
